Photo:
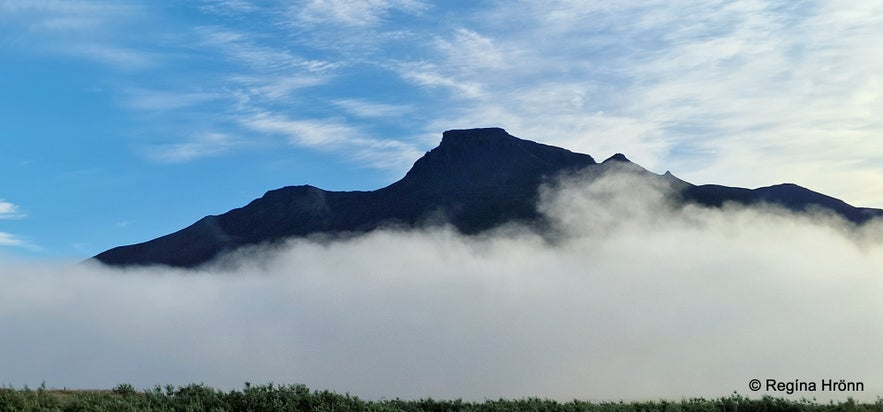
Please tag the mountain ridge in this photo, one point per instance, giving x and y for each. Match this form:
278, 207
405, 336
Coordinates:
475, 180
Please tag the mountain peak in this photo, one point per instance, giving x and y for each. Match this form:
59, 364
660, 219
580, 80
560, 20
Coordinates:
619, 157
489, 157
459, 136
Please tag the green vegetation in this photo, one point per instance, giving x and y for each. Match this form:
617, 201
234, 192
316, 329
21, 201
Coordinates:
268, 398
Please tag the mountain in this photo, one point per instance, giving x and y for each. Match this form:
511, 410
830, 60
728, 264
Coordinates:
475, 180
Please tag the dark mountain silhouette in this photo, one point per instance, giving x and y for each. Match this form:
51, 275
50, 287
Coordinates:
474, 180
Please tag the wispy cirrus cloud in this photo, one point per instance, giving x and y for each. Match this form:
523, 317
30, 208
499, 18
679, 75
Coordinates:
8, 239
469, 50
54, 8
118, 57
354, 13
228, 7
266, 73
10, 211
274, 81
79, 28
312, 133
153, 100
214, 75
360, 30
334, 135
747, 92
432, 76
204, 145
369, 109
703, 89
244, 49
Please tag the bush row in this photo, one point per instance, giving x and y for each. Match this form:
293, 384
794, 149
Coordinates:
270, 398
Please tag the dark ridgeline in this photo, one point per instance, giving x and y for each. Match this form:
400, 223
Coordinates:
475, 180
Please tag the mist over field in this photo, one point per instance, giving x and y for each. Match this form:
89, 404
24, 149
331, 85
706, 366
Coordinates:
632, 299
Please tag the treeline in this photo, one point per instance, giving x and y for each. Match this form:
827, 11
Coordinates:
270, 398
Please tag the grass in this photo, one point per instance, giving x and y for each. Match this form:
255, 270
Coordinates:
272, 398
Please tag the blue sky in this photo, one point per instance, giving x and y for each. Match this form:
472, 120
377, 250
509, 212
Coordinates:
121, 121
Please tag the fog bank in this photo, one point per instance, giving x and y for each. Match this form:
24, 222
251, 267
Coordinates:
634, 300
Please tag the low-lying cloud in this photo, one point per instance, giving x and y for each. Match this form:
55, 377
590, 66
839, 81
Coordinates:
634, 299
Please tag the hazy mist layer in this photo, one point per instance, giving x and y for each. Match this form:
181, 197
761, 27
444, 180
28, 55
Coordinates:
633, 300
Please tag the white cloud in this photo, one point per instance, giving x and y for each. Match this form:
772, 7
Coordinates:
6, 207
783, 96
205, 145
269, 74
9, 211
309, 133
62, 7
8, 239
358, 32
474, 51
431, 76
369, 109
332, 135
66, 18
229, 7
354, 13
745, 93
634, 301
154, 100
257, 57
82, 29
69, 23
122, 224
256, 89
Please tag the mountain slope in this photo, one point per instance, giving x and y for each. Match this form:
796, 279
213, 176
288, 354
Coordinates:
475, 180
